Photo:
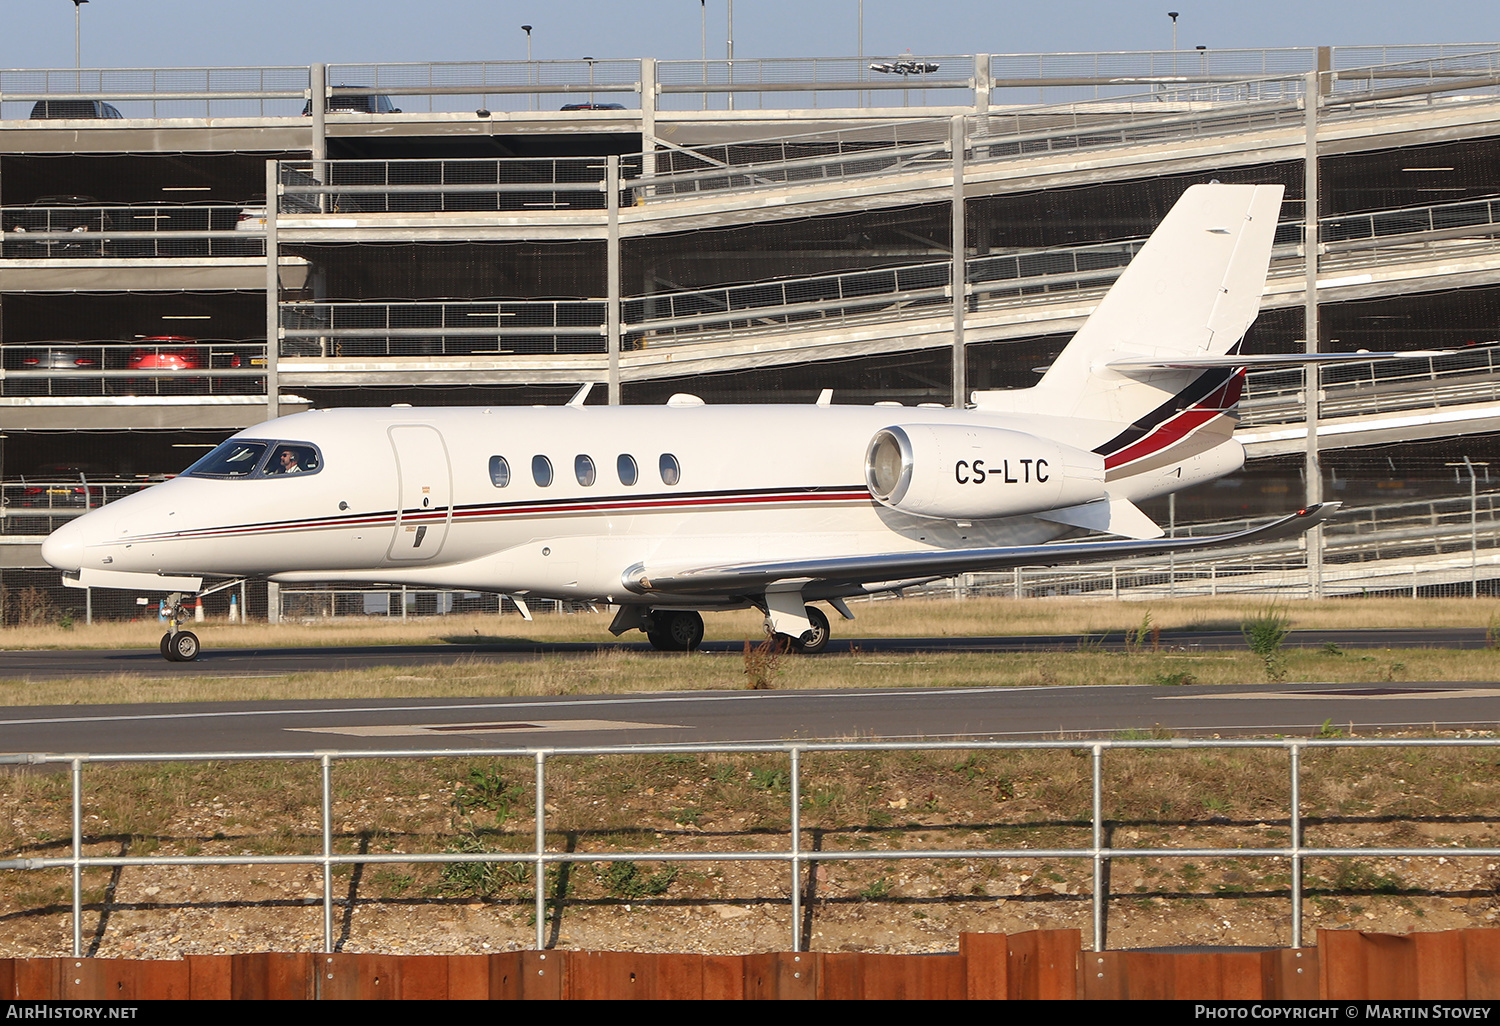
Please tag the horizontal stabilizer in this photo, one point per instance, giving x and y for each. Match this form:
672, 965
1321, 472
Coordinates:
1107, 516
1131, 363
839, 572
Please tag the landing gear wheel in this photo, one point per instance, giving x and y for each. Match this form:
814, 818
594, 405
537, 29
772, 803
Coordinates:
166, 648
815, 640
182, 647
680, 630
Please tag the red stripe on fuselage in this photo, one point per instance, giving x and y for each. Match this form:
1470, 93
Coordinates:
657, 504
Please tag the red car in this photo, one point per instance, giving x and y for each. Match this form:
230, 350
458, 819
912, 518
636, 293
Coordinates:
168, 353
177, 353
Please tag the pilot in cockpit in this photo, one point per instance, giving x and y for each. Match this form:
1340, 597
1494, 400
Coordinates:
289, 462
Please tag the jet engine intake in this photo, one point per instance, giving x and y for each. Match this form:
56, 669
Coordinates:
951, 471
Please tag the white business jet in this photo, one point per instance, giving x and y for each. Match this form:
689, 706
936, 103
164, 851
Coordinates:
671, 510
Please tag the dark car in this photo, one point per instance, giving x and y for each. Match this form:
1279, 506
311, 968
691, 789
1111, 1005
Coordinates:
73, 363
73, 110
355, 103
592, 106
79, 216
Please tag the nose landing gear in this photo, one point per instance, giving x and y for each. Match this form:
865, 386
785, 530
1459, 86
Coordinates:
178, 645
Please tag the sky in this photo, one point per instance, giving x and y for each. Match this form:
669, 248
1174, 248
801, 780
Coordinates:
260, 33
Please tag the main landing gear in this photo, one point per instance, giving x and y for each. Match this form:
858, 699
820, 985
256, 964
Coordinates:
674, 630
178, 645
681, 630
814, 641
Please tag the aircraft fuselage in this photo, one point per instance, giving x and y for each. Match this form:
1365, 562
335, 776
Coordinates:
405, 495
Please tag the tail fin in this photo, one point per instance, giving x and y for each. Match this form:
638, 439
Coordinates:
1192, 290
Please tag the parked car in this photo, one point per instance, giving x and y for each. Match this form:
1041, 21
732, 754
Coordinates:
592, 106
61, 486
177, 353
73, 214
72, 362
355, 103
251, 219
69, 110
168, 353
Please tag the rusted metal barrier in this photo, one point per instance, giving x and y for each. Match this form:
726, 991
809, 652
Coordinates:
1043, 964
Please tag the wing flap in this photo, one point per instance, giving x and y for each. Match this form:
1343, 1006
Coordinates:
750, 578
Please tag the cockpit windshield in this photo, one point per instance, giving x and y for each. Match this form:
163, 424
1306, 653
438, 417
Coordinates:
234, 458
243, 458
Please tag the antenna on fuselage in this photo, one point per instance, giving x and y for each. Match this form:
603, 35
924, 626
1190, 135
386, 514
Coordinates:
582, 393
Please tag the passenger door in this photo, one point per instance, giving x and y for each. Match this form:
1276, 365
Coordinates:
424, 492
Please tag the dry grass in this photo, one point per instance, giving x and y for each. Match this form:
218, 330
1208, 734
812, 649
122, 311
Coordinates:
628, 672
614, 670
889, 618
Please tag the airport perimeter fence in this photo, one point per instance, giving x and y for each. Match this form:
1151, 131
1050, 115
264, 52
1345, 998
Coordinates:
557, 841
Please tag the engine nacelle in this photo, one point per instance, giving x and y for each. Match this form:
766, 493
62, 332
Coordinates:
953, 472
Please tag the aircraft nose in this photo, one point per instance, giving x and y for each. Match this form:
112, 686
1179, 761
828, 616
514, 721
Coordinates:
64, 547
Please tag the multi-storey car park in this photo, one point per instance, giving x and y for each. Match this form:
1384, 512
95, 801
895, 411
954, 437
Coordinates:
754, 231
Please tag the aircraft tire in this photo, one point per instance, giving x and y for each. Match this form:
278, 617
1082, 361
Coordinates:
678, 630
166, 648
184, 647
815, 640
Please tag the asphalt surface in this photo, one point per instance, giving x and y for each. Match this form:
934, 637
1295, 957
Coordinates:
743, 716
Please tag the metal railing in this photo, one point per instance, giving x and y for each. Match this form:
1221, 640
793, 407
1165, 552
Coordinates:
794, 854
1178, 109
363, 330
148, 367
38, 505
902, 292
873, 82
1447, 543
446, 185
37, 232
1362, 389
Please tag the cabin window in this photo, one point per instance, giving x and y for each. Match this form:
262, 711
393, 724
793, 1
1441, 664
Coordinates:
541, 471
583, 469
670, 472
499, 471
625, 467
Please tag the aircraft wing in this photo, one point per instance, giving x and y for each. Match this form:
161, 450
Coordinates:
907, 567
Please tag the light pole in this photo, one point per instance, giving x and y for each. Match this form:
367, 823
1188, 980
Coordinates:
862, 94
1174, 15
729, 53
1470, 465
78, 35
527, 29
703, 31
